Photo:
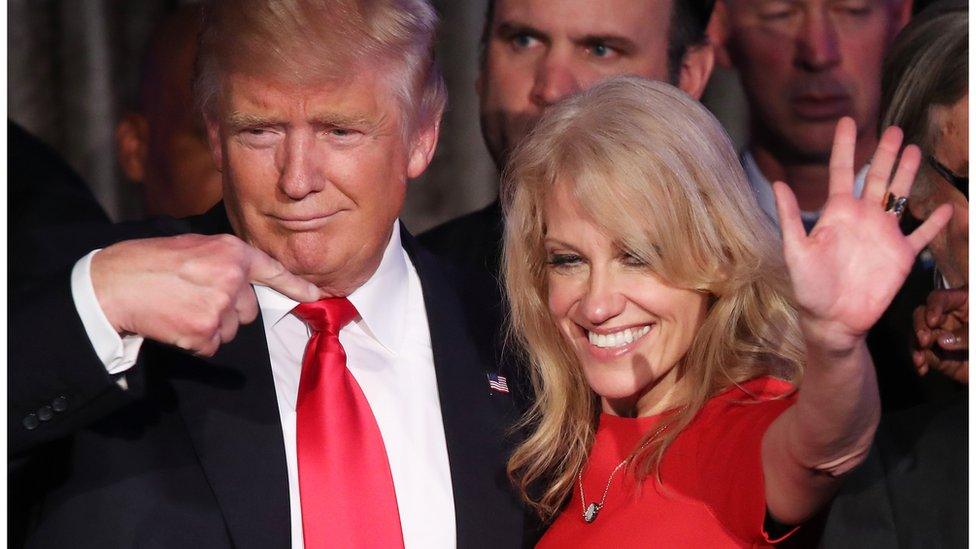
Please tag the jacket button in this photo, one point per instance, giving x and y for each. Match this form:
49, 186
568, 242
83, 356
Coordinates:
45, 413
60, 404
30, 421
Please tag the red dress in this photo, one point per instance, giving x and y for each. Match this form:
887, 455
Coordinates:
713, 494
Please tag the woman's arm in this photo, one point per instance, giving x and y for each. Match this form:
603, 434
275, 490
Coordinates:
844, 275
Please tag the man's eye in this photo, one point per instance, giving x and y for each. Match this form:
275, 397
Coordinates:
601, 50
522, 41
257, 136
777, 11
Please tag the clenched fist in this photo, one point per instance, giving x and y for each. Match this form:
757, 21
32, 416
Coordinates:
191, 291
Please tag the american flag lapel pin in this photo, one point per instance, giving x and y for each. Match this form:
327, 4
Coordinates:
497, 383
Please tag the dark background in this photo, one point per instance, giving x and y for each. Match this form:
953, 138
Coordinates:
73, 66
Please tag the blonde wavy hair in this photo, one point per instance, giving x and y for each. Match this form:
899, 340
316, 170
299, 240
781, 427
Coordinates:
655, 171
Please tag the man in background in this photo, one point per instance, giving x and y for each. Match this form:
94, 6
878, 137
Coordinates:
803, 65
536, 52
161, 142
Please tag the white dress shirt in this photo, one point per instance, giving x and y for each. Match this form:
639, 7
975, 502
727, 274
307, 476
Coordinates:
763, 189
389, 353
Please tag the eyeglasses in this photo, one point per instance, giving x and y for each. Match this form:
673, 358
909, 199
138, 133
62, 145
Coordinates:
960, 182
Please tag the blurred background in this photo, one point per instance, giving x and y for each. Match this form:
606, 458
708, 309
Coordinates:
73, 72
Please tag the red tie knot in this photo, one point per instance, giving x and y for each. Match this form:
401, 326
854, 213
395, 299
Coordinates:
327, 315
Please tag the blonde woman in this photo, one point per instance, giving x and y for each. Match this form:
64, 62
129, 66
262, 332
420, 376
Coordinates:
668, 336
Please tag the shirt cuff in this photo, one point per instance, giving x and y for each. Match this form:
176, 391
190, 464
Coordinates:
117, 353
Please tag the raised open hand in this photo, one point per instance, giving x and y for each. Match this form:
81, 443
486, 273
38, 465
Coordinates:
851, 265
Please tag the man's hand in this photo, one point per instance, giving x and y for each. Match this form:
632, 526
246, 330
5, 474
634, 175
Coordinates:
942, 334
191, 291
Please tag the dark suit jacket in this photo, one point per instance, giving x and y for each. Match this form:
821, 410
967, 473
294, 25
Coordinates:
911, 491
192, 454
42, 192
474, 239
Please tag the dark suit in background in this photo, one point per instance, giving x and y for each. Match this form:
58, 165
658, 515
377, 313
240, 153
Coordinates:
42, 191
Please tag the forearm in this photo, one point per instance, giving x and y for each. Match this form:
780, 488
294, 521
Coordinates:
837, 410
825, 434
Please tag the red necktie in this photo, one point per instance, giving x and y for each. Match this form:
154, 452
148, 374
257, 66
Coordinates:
344, 476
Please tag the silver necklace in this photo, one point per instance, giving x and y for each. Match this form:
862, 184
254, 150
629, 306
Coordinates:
591, 511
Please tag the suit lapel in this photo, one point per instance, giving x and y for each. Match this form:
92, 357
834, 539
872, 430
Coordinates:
474, 426
229, 406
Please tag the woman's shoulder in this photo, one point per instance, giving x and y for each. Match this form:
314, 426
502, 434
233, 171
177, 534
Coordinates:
759, 390
746, 406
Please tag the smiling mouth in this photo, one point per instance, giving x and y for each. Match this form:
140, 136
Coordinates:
620, 338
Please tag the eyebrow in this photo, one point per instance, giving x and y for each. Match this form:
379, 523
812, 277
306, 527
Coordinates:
507, 29
614, 41
239, 120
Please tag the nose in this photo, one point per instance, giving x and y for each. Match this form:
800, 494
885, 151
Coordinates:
603, 300
295, 161
554, 79
817, 47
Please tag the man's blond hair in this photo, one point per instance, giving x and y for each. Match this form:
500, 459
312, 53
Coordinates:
308, 42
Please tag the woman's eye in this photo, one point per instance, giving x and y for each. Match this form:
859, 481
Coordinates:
563, 260
632, 260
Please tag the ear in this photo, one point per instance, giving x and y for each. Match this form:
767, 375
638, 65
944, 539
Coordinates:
696, 68
903, 15
213, 139
422, 148
718, 34
132, 146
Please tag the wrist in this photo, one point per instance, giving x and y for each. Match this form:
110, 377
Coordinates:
830, 339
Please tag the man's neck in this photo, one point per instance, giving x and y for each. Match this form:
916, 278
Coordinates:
809, 180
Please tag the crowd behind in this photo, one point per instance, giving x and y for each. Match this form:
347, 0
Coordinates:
698, 346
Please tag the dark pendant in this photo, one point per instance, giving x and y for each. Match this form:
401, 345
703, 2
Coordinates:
591, 512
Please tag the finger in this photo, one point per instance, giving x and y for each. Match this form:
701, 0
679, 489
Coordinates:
953, 341
789, 216
955, 369
842, 157
918, 359
923, 336
901, 183
940, 302
246, 305
921, 236
208, 348
267, 271
876, 181
228, 325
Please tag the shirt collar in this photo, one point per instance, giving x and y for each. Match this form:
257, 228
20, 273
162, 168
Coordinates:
763, 189
381, 300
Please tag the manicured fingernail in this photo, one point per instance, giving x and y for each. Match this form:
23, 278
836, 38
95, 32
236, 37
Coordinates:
948, 339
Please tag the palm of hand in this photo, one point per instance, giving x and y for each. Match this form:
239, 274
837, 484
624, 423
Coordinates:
847, 271
851, 266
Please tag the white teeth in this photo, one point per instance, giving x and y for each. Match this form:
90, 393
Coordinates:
617, 339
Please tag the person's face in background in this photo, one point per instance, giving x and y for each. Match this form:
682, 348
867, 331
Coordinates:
806, 63
163, 144
539, 51
950, 147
